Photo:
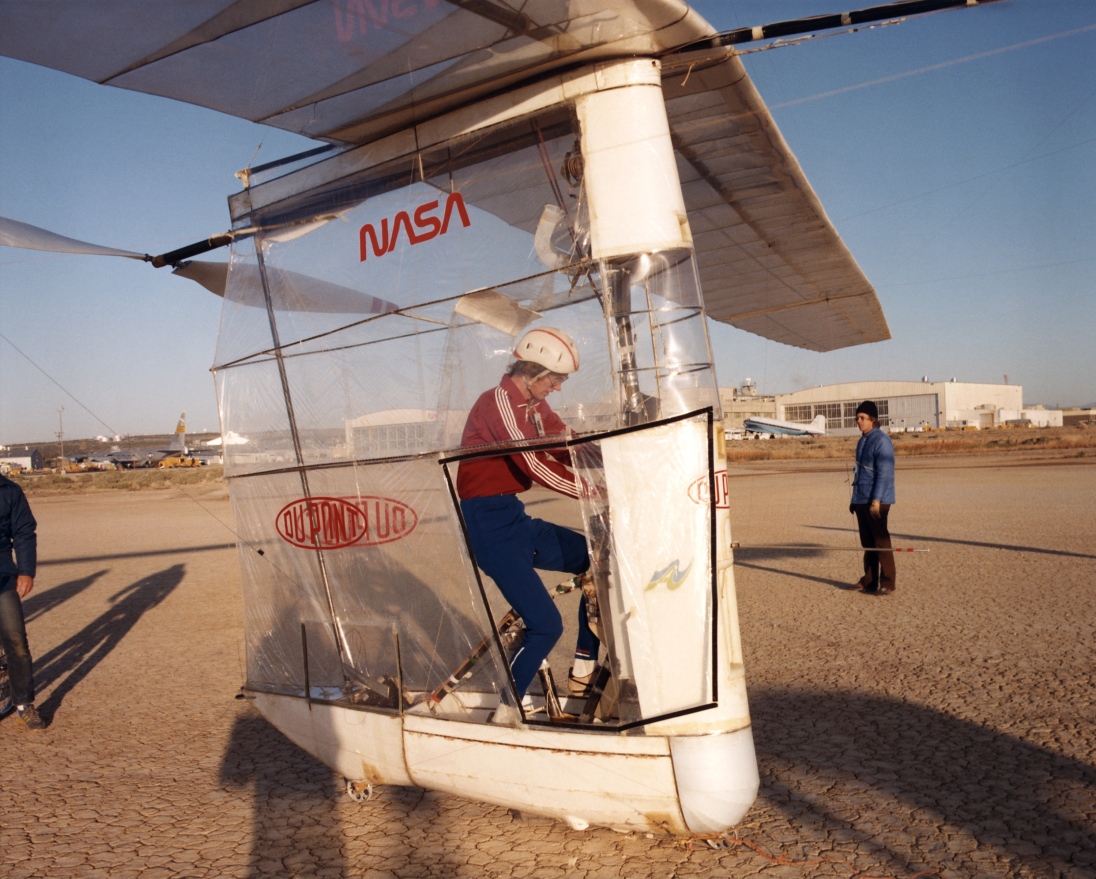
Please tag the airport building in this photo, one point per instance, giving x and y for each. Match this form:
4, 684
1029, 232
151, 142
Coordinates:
914, 405
20, 459
744, 402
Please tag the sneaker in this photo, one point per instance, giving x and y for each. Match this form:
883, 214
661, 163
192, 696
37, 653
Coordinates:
579, 685
29, 715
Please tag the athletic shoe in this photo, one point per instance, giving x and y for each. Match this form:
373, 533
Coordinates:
29, 715
579, 686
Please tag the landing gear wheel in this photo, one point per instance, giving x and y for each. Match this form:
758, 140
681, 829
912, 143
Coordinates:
360, 791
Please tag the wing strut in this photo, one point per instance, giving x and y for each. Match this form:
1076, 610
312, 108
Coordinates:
794, 26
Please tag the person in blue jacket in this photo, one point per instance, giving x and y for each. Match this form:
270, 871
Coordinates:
18, 533
872, 496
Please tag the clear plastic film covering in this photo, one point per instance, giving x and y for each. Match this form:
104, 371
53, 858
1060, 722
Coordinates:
364, 315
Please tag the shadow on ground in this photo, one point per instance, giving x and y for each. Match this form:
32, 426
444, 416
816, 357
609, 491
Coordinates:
74, 659
849, 770
823, 755
296, 801
41, 602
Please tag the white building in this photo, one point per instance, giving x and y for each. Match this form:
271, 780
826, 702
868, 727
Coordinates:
911, 405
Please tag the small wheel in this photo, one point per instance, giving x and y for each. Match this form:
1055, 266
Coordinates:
360, 791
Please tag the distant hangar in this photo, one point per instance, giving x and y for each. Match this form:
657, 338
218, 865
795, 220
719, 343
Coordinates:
906, 405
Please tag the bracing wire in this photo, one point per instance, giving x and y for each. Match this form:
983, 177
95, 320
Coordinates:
71, 396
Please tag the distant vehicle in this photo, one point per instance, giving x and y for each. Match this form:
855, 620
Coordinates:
129, 458
172, 461
776, 427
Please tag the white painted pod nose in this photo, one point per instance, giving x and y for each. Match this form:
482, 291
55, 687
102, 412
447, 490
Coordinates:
717, 778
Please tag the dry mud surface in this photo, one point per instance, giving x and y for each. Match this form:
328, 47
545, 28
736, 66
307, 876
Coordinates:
947, 728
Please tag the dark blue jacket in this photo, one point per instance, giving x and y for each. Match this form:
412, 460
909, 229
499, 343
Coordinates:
874, 479
16, 531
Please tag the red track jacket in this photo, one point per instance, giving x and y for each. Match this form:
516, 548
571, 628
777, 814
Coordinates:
502, 415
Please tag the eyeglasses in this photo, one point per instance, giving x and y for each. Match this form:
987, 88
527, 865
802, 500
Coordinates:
557, 379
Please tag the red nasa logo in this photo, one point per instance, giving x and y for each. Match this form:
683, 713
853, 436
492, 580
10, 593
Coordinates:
698, 491
336, 523
428, 226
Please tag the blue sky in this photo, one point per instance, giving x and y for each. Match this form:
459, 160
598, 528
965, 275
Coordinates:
956, 155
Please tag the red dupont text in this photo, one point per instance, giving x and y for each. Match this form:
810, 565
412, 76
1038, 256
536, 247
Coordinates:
426, 226
698, 491
336, 523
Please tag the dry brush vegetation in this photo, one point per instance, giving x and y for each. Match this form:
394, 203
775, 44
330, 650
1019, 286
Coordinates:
1070, 441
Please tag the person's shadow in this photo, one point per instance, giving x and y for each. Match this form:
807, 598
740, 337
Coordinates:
41, 602
74, 659
1033, 807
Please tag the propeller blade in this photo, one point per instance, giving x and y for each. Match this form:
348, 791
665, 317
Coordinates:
291, 291
16, 234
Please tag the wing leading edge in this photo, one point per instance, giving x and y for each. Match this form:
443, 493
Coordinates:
771, 263
770, 260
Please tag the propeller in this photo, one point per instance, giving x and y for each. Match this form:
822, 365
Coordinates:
291, 291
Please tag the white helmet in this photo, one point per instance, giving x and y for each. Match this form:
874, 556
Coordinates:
548, 347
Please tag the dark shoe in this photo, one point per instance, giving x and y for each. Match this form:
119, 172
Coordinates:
29, 715
870, 590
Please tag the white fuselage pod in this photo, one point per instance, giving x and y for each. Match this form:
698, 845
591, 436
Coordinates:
690, 768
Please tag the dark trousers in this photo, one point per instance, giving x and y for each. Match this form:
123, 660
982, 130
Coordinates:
874, 533
508, 545
13, 637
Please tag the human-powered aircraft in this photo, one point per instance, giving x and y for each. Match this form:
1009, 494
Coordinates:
603, 168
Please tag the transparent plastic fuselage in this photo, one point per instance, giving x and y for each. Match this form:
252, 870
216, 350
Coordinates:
365, 315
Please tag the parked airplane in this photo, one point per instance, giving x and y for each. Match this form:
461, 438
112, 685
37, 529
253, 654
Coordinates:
148, 457
607, 164
776, 427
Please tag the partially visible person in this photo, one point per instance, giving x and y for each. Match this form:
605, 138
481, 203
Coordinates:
872, 496
18, 534
508, 544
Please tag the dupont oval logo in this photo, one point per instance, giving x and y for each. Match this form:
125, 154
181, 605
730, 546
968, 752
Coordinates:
338, 522
699, 494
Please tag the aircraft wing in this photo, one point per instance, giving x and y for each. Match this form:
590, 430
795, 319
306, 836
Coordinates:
350, 71
770, 260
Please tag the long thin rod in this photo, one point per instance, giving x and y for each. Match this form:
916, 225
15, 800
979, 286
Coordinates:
824, 22
826, 548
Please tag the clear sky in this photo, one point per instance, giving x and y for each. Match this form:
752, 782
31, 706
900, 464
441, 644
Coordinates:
955, 153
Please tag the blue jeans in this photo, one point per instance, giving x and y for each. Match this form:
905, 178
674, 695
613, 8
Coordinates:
13, 637
508, 544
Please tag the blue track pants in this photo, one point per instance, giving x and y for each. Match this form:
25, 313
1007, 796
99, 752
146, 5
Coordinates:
508, 545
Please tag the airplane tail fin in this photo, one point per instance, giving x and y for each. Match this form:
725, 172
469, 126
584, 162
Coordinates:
178, 441
819, 423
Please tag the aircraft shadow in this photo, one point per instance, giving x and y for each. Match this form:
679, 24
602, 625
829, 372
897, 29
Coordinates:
819, 752
296, 828
74, 659
985, 544
825, 581
184, 550
39, 603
